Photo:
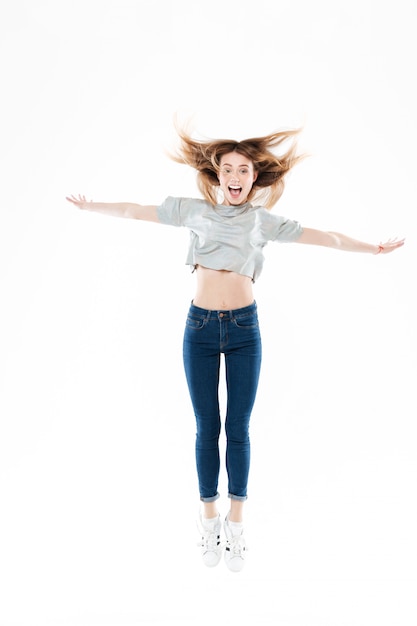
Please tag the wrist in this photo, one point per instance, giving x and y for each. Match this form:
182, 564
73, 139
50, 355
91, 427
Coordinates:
379, 249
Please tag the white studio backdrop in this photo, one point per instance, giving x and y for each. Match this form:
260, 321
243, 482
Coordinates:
98, 495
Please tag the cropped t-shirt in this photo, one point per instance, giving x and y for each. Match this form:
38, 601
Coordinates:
227, 237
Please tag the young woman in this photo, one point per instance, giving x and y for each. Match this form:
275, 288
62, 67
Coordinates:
227, 236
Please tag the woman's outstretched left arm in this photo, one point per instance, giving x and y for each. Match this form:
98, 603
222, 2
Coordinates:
117, 209
343, 242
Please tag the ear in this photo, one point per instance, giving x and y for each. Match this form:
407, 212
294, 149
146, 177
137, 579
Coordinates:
255, 176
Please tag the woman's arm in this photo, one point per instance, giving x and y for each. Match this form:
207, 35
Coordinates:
343, 242
117, 209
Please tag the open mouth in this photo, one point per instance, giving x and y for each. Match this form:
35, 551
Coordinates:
234, 191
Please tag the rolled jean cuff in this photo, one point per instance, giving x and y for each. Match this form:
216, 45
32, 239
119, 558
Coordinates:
238, 498
211, 499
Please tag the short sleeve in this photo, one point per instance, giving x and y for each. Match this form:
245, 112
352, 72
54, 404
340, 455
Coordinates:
278, 228
169, 212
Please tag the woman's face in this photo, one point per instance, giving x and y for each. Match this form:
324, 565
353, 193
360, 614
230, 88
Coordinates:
236, 178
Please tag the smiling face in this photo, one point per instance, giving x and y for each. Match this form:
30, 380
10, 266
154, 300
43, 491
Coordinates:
236, 177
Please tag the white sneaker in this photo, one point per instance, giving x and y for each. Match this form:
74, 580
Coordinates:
235, 551
211, 549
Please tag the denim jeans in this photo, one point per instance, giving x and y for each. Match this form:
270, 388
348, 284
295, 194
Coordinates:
208, 335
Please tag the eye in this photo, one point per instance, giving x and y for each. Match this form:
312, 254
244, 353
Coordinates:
244, 170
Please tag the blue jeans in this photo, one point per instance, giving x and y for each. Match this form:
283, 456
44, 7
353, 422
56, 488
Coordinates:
208, 334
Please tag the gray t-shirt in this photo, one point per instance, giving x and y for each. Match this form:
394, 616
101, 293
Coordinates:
227, 237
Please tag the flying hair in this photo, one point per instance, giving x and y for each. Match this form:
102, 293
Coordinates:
271, 168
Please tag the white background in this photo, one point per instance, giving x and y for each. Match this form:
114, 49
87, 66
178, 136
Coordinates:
98, 494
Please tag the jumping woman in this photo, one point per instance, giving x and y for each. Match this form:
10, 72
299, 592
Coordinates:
240, 182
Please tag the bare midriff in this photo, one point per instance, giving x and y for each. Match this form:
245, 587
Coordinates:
222, 290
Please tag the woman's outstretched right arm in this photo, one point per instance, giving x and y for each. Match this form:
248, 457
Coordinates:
117, 209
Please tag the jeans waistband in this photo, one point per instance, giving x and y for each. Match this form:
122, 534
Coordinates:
223, 313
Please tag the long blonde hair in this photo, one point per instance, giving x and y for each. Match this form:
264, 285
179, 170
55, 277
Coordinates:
271, 169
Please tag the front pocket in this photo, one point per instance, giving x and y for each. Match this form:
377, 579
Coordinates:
195, 323
248, 321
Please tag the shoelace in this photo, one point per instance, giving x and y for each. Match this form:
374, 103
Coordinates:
210, 540
236, 545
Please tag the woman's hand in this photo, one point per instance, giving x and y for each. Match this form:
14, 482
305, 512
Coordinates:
390, 246
81, 201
